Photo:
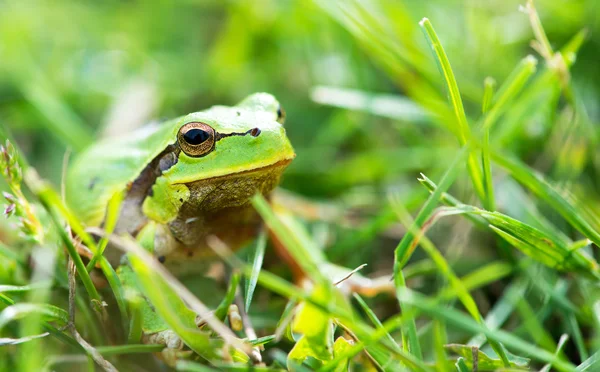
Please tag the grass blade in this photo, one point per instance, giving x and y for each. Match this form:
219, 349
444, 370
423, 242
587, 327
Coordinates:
259, 254
488, 202
457, 285
540, 187
455, 318
462, 130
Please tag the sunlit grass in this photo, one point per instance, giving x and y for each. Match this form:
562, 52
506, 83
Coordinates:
470, 187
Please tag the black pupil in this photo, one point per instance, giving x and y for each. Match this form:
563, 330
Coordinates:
195, 136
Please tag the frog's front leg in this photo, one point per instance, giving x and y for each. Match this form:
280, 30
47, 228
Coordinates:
154, 239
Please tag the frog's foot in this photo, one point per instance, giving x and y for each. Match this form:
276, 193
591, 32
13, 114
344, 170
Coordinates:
167, 337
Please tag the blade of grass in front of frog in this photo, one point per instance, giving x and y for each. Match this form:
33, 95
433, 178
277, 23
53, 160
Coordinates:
130, 349
117, 288
286, 289
284, 328
262, 340
457, 285
257, 261
455, 318
376, 322
294, 239
171, 308
112, 214
113, 210
535, 182
136, 317
47, 200
223, 308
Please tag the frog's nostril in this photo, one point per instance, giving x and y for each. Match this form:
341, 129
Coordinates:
280, 115
255, 132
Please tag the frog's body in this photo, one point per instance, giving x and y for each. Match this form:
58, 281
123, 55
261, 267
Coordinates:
185, 191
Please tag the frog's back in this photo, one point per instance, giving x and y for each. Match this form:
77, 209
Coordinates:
109, 167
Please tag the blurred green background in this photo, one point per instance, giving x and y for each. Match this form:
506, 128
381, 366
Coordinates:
366, 105
71, 72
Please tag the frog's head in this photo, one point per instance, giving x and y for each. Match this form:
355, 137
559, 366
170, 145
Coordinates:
221, 157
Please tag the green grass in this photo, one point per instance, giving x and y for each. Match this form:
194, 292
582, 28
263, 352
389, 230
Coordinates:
454, 154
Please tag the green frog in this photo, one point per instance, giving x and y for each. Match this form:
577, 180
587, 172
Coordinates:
182, 181
186, 179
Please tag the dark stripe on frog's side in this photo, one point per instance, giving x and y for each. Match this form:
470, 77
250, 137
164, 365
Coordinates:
132, 219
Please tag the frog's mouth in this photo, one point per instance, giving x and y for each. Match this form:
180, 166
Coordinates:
270, 169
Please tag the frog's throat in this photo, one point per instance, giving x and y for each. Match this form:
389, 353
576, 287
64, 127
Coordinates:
221, 206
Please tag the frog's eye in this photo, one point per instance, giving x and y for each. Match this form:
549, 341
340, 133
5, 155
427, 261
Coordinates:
196, 139
280, 115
